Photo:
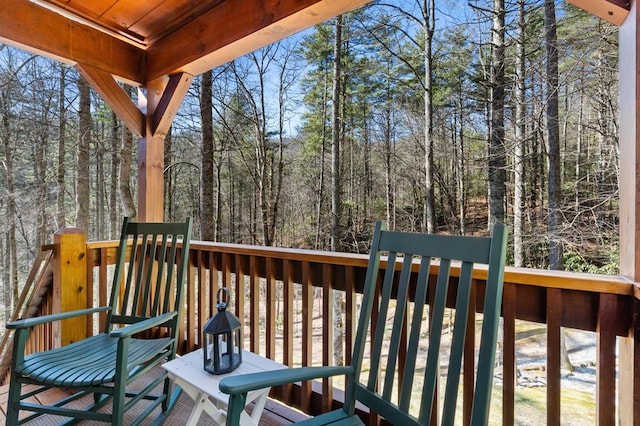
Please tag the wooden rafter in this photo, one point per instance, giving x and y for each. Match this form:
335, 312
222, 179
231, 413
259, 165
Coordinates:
115, 97
233, 29
41, 31
170, 101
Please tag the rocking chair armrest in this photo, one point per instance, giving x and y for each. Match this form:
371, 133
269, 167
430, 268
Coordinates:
30, 322
143, 325
243, 383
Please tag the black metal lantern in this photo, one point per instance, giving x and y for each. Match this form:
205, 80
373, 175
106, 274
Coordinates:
222, 337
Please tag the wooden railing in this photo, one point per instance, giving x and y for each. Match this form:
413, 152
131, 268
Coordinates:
286, 300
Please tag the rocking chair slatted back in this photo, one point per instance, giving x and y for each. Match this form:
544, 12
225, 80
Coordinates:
147, 288
400, 329
424, 279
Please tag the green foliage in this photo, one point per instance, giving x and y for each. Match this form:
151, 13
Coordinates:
608, 264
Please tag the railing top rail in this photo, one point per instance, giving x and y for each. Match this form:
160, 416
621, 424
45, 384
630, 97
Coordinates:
610, 284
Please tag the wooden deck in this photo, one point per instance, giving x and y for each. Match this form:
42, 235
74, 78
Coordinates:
275, 414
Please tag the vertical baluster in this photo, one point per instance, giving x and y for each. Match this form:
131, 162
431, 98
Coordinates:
606, 362
554, 321
287, 317
201, 301
103, 292
271, 309
226, 273
193, 275
509, 354
351, 318
190, 314
307, 330
328, 335
254, 305
240, 289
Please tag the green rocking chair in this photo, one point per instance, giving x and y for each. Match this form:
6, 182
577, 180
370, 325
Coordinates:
140, 333
396, 302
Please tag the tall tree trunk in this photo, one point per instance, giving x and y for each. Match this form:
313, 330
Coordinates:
83, 157
169, 178
521, 128
99, 219
553, 137
319, 244
114, 211
207, 208
336, 211
126, 193
336, 202
461, 168
497, 152
580, 137
554, 187
428, 11
12, 210
40, 173
62, 130
388, 160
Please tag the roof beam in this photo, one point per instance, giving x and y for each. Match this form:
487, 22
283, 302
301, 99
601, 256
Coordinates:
233, 29
28, 26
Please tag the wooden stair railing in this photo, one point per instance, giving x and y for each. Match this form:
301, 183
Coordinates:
36, 291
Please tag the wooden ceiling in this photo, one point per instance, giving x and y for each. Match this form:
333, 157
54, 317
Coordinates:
142, 40
141, 22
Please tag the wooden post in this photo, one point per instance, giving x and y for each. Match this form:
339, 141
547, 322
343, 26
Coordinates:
629, 66
150, 157
159, 101
69, 284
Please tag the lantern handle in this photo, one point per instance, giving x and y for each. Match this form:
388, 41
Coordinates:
228, 296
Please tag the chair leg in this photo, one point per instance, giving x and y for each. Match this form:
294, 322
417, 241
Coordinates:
167, 394
14, 400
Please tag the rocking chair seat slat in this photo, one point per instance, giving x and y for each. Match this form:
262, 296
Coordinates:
62, 367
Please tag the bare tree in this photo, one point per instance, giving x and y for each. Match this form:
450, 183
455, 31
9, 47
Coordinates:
114, 211
336, 199
126, 193
520, 135
12, 213
207, 208
429, 24
497, 151
62, 136
83, 157
553, 137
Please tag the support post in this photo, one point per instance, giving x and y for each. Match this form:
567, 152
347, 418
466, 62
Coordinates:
629, 66
69, 284
150, 157
159, 101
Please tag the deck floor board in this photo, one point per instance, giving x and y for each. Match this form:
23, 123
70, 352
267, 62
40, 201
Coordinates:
275, 414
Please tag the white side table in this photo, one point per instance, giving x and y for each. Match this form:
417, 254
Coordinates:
188, 372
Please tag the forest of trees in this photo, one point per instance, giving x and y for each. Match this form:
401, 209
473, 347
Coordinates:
432, 116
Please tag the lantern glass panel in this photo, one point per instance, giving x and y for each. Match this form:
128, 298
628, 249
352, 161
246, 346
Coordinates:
222, 338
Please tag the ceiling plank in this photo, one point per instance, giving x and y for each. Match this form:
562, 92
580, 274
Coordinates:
170, 102
614, 11
233, 29
38, 30
115, 96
